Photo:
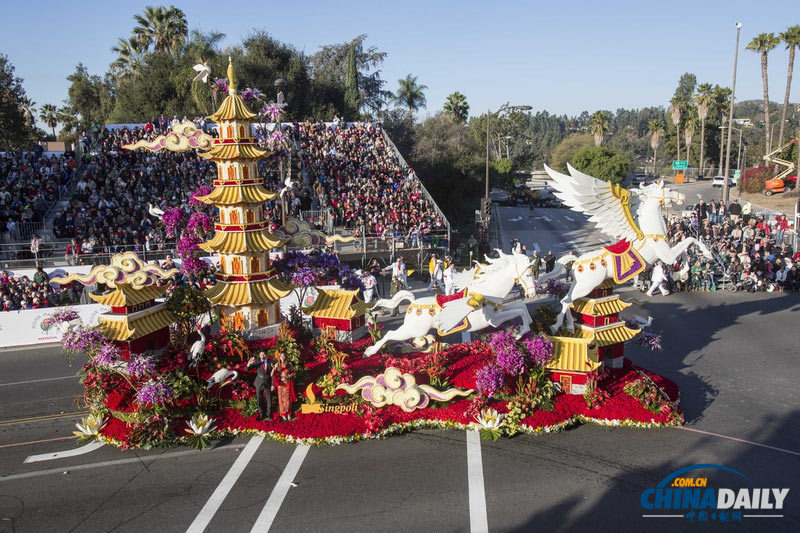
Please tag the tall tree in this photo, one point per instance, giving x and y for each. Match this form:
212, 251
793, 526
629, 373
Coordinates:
703, 99
722, 104
792, 39
163, 28
675, 115
457, 107
130, 57
688, 133
351, 97
48, 114
15, 132
763, 44
599, 125
656, 130
410, 94
90, 97
69, 123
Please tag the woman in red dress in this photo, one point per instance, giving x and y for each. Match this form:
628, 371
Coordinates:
283, 378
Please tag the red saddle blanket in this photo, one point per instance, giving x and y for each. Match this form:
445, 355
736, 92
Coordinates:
442, 299
619, 247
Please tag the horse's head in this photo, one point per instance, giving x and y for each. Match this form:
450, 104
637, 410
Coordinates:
656, 191
523, 273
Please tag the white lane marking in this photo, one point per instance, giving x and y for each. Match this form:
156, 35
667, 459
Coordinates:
516, 219
478, 521
92, 446
569, 218
536, 247
36, 381
103, 464
221, 492
545, 218
270, 510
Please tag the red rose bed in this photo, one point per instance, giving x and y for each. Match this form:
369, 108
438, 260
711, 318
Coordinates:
455, 366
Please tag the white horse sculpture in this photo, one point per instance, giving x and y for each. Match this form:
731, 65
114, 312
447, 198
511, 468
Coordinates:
477, 306
633, 216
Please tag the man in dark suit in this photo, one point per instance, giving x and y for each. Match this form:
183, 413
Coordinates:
263, 384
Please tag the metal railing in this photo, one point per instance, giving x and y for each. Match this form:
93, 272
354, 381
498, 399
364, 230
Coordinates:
320, 217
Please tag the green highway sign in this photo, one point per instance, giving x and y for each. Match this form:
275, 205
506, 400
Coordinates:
680, 165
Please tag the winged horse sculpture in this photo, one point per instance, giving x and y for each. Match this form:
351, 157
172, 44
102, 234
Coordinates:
632, 216
478, 305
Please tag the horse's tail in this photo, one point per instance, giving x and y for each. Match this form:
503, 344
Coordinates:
395, 300
557, 271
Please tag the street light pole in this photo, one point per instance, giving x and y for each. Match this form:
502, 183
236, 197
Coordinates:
726, 191
739, 159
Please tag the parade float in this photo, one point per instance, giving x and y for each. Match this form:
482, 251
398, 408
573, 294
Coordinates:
515, 377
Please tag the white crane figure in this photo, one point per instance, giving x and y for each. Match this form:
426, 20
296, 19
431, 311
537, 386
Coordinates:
221, 377
197, 349
203, 71
155, 211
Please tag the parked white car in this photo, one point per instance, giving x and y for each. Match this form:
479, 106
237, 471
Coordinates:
719, 181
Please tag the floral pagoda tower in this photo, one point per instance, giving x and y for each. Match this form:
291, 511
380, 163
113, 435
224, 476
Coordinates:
599, 341
247, 293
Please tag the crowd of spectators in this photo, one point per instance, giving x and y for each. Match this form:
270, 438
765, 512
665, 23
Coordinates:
750, 251
29, 185
22, 292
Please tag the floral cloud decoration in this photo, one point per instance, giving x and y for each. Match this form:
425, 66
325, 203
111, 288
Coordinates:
125, 268
299, 233
394, 387
184, 136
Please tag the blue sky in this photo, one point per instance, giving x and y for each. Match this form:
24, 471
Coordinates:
562, 56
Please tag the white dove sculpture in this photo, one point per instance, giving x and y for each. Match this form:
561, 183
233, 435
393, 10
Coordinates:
155, 211
203, 71
287, 184
197, 349
223, 376
642, 322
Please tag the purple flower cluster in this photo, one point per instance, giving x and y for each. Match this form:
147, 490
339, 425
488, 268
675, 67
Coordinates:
187, 249
252, 95
63, 315
202, 190
139, 365
154, 392
273, 111
220, 85
199, 224
649, 340
172, 219
107, 355
540, 349
276, 138
82, 339
509, 357
489, 380
304, 277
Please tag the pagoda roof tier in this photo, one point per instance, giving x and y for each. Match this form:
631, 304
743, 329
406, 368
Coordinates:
572, 354
233, 108
338, 304
239, 294
236, 242
125, 295
612, 334
610, 305
227, 151
128, 329
238, 194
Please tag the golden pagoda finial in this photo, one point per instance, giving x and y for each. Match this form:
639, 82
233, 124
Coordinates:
231, 81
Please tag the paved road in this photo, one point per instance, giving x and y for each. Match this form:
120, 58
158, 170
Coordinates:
733, 356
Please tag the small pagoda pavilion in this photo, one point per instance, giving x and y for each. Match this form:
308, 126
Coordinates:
247, 293
338, 314
600, 339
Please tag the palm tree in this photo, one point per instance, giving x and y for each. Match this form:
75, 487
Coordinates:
410, 95
29, 110
599, 124
675, 115
792, 39
722, 103
130, 56
67, 117
762, 44
457, 106
656, 131
689, 125
703, 99
48, 114
164, 28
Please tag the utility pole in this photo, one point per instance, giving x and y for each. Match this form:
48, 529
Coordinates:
726, 190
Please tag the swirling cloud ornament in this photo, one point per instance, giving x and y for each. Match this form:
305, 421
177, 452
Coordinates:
393, 387
299, 233
125, 268
184, 136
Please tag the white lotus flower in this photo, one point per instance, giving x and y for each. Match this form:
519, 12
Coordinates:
90, 426
200, 425
489, 419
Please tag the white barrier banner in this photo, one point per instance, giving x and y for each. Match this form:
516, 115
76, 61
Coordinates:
24, 328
